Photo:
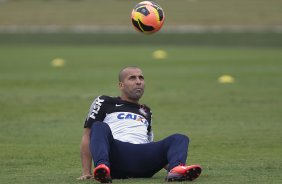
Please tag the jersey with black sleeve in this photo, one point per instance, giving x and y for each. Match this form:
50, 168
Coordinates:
129, 122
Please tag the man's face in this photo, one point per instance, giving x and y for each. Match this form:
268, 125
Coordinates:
132, 84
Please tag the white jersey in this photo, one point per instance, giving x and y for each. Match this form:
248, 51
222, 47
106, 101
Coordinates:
129, 122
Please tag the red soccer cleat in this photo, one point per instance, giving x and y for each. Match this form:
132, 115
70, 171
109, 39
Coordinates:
102, 174
184, 173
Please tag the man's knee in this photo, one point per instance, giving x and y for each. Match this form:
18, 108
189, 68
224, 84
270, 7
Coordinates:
180, 137
99, 124
100, 127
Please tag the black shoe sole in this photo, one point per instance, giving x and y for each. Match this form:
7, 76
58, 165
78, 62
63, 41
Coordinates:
101, 175
191, 175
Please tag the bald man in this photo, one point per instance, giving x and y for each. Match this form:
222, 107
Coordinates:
118, 137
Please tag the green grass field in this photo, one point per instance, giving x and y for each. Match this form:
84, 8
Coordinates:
235, 129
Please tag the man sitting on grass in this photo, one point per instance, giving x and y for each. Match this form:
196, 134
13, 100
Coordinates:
118, 137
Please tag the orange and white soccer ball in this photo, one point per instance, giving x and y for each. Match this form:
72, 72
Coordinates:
147, 17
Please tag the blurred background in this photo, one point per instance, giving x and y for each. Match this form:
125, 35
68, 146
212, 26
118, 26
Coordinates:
189, 22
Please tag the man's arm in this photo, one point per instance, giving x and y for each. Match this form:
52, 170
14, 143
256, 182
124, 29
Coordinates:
86, 158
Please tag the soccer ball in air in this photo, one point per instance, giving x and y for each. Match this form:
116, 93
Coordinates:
147, 17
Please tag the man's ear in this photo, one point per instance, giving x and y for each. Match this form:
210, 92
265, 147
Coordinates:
120, 84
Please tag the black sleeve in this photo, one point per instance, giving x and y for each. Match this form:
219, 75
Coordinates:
149, 117
96, 112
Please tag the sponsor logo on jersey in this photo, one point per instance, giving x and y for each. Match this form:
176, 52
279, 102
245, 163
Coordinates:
132, 116
96, 107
